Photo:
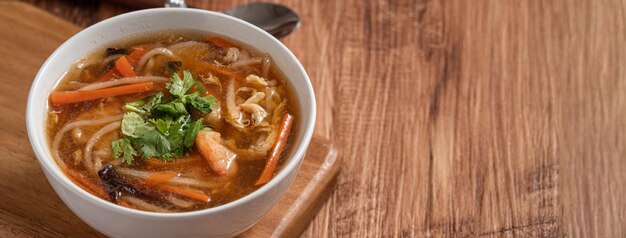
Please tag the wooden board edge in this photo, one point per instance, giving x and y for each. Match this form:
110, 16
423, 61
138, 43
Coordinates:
325, 180
315, 182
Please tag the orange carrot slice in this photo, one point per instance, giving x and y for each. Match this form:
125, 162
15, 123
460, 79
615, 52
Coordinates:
225, 71
198, 196
124, 66
61, 98
277, 150
125, 204
138, 52
160, 177
108, 75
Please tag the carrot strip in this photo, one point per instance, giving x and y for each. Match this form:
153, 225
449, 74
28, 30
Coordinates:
108, 75
198, 196
221, 42
226, 71
85, 183
138, 52
124, 66
61, 98
187, 193
125, 204
160, 177
277, 150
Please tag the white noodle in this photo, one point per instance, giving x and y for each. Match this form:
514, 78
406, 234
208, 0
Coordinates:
245, 90
176, 180
97, 163
102, 153
256, 80
269, 105
270, 140
148, 69
255, 98
267, 62
278, 112
75, 84
246, 62
56, 141
127, 80
179, 202
185, 44
152, 53
234, 114
257, 113
264, 127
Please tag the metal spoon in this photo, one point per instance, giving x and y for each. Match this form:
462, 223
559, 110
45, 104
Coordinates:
277, 20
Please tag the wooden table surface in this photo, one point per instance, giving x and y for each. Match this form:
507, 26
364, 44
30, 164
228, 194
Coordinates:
461, 118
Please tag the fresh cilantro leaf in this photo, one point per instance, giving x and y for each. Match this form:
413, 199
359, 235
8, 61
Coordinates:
173, 66
188, 98
136, 106
123, 147
155, 100
173, 108
204, 104
147, 151
116, 147
167, 156
162, 127
201, 89
153, 144
183, 120
191, 132
134, 125
144, 107
176, 127
178, 86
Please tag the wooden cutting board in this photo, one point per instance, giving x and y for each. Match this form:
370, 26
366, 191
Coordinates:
29, 206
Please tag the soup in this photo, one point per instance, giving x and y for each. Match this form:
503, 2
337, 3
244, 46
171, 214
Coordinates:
172, 122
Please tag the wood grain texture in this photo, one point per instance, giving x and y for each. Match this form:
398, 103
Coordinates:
29, 207
486, 118
315, 182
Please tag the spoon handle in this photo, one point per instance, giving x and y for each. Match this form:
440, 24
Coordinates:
140, 3
175, 3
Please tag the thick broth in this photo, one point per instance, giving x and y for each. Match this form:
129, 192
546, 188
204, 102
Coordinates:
195, 58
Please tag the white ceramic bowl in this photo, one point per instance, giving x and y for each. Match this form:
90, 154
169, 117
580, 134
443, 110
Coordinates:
113, 220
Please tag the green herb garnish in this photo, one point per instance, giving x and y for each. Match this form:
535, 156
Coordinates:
161, 127
123, 147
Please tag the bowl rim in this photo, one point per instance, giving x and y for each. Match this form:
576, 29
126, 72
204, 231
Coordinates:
53, 169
